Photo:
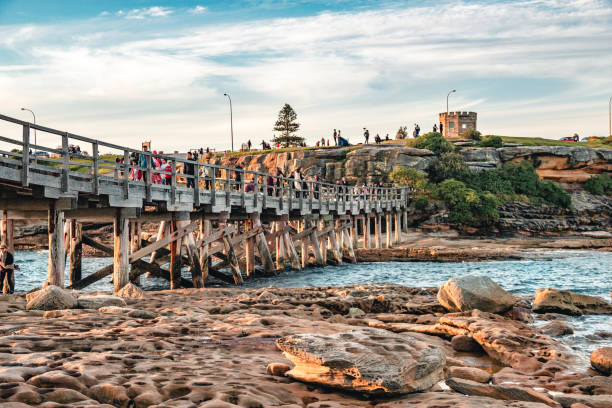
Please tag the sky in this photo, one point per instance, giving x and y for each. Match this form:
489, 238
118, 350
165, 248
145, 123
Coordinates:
132, 70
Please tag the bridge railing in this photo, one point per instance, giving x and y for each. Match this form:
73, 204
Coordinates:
127, 166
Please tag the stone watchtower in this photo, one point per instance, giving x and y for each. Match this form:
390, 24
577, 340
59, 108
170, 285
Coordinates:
457, 122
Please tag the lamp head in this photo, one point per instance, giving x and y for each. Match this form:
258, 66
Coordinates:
454, 90
224, 94
22, 108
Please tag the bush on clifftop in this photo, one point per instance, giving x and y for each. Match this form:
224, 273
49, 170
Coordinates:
433, 141
470, 133
448, 165
466, 204
491, 141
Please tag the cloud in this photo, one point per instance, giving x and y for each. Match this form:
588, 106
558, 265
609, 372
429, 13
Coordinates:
198, 10
377, 67
142, 13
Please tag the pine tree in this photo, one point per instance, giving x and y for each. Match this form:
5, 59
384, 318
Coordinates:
287, 125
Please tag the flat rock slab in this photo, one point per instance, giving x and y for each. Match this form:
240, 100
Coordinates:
502, 392
569, 303
134, 313
474, 292
369, 360
96, 302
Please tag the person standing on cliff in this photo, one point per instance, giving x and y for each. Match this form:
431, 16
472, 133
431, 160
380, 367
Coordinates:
441, 129
249, 144
435, 128
366, 135
7, 268
335, 138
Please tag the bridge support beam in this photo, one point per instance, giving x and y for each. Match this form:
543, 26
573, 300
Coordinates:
366, 231
57, 254
389, 223
405, 221
377, 231
135, 242
314, 242
76, 251
175, 256
121, 260
6, 236
398, 227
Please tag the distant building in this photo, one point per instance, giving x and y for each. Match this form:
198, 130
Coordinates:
457, 122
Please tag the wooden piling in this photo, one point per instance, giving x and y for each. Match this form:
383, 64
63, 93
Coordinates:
262, 246
388, 222
160, 234
377, 230
56, 247
182, 221
397, 227
233, 260
249, 249
76, 251
314, 242
366, 231
205, 261
121, 261
175, 258
323, 244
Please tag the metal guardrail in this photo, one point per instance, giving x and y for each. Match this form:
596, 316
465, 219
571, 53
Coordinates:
205, 176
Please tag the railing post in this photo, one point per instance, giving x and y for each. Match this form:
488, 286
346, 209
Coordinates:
148, 175
196, 184
256, 189
242, 193
96, 168
213, 186
65, 163
228, 188
126, 174
25, 156
173, 183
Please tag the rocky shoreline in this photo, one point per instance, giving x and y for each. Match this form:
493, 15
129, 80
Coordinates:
306, 347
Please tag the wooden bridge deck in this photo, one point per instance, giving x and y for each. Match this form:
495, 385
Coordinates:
84, 187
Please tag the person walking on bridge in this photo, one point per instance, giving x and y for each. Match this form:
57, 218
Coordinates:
7, 269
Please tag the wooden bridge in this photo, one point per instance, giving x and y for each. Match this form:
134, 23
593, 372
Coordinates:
210, 217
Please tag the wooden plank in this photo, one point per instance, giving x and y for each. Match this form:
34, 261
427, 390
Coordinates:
97, 245
262, 247
161, 231
233, 261
314, 241
292, 253
215, 236
139, 267
173, 236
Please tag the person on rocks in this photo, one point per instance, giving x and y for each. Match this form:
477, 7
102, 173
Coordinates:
7, 269
335, 138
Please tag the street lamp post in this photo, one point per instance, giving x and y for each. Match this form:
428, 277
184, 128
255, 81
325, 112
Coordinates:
231, 120
447, 121
610, 117
34, 116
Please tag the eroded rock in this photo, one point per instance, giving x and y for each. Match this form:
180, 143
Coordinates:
566, 302
369, 360
130, 291
96, 302
601, 360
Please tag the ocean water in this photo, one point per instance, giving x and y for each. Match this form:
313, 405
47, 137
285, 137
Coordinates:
586, 272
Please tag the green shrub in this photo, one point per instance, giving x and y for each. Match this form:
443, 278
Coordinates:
491, 141
522, 176
470, 133
420, 202
491, 181
405, 176
448, 165
599, 185
552, 193
433, 141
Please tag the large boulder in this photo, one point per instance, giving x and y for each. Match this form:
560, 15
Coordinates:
130, 291
474, 292
570, 303
52, 298
96, 302
601, 360
369, 360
